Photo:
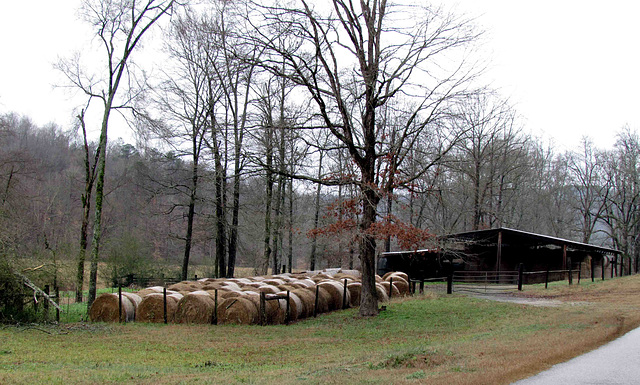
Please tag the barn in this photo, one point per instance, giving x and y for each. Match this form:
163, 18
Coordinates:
500, 249
504, 249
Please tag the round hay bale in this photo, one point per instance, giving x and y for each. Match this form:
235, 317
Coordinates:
379, 279
181, 286
254, 297
396, 274
275, 314
146, 291
133, 297
213, 285
354, 293
254, 285
177, 296
389, 288
335, 291
323, 300
237, 311
400, 283
307, 282
295, 305
230, 285
151, 309
195, 309
274, 281
382, 293
105, 308
306, 298
268, 289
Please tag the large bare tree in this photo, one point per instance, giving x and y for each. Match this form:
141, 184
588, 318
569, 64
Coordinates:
119, 26
351, 59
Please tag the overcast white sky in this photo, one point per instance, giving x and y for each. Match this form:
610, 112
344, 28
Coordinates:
571, 67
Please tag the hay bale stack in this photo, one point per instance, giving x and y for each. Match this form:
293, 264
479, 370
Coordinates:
382, 293
274, 281
389, 288
237, 311
379, 278
323, 299
151, 309
309, 283
296, 307
196, 308
335, 291
306, 300
150, 290
183, 286
354, 293
400, 283
275, 313
105, 308
268, 289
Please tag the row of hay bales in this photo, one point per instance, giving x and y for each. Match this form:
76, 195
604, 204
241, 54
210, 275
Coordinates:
239, 298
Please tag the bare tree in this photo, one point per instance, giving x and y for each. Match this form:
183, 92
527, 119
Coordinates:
119, 26
351, 61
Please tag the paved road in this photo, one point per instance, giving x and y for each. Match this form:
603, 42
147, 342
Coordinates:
617, 362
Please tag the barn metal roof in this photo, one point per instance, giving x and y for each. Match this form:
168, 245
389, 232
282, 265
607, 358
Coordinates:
528, 238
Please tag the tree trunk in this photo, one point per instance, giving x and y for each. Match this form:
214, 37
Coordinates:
316, 218
268, 199
97, 224
190, 217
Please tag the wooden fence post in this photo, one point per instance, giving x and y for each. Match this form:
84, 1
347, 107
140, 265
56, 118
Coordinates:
215, 310
390, 288
288, 312
450, 283
119, 303
263, 309
520, 276
164, 305
315, 303
344, 295
593, 271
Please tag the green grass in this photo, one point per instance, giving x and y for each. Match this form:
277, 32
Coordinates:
433, 338
306, 351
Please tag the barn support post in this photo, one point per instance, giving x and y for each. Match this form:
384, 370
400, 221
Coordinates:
520, 276
164, 305
602, 269
546, 278
499, 254
570, 274
564, 257
593, 270
579, 271
421, 286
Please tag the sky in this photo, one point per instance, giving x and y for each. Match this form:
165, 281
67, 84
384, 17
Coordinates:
571, 68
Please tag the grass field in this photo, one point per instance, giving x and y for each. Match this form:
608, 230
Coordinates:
437, 339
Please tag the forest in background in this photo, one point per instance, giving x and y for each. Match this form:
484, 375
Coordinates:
248, 151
